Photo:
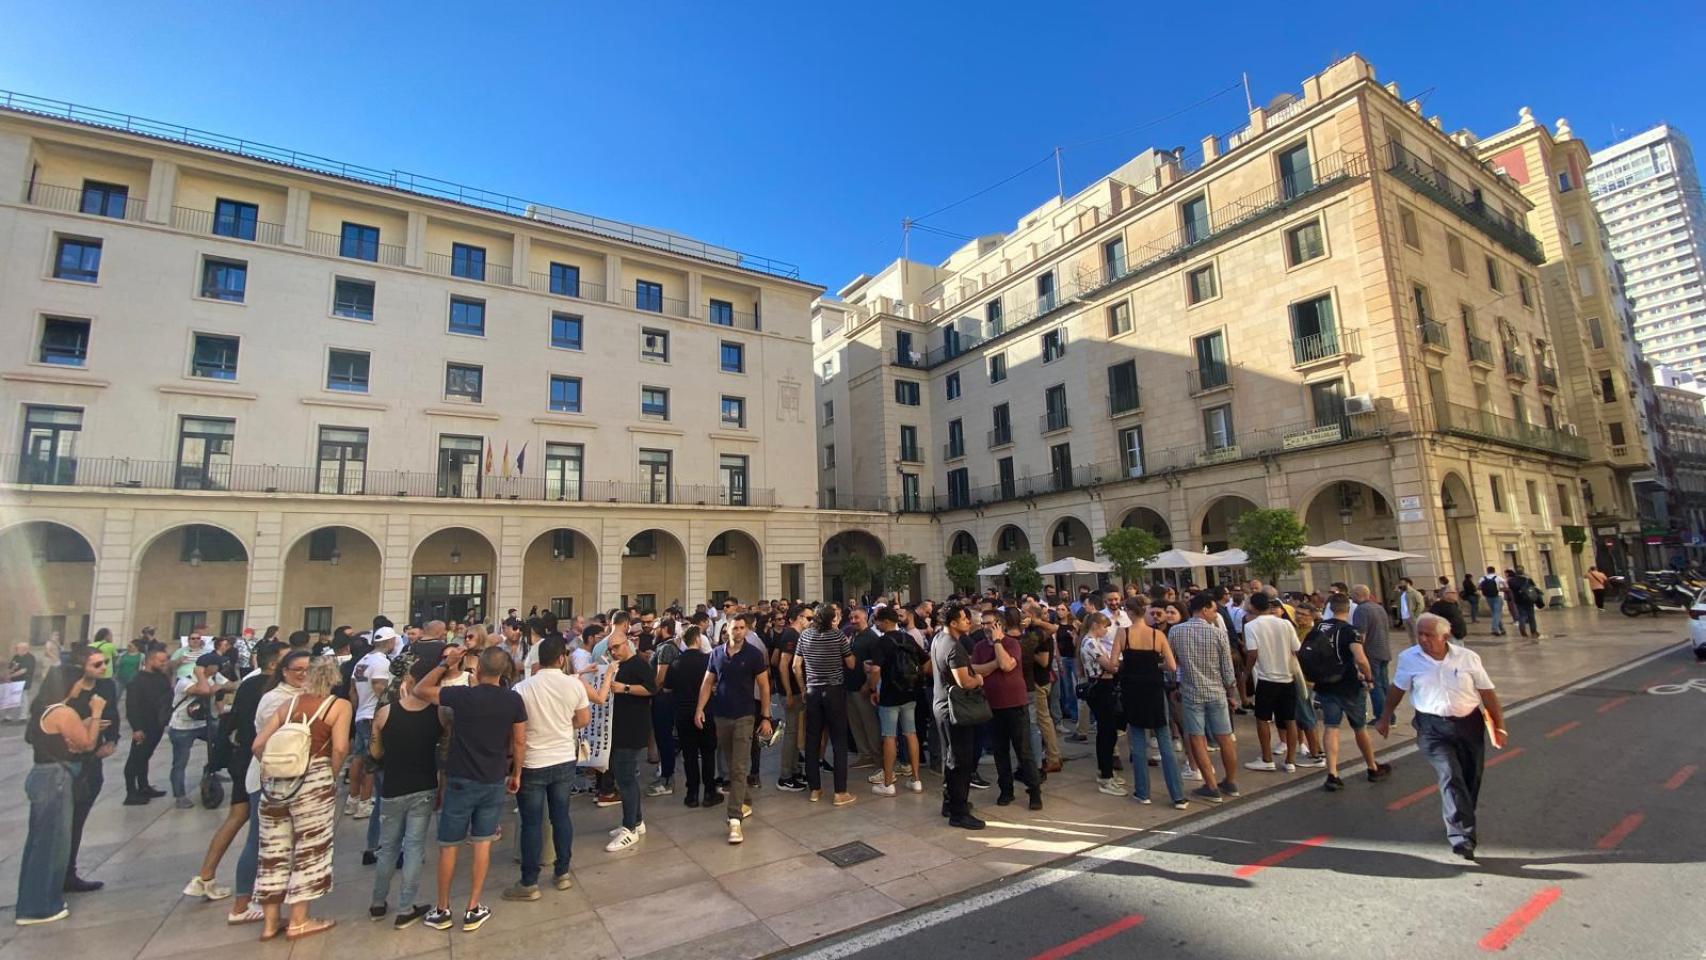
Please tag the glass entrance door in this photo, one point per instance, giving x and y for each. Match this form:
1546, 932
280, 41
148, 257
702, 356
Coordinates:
447, 597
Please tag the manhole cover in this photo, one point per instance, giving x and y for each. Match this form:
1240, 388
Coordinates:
849, 854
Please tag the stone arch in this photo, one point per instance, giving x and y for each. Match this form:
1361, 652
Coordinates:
962, 542
1148, 518
837, 548
1011, 538
1458, 508
1068, 536
192, 572
734, 566
452, 575
330, 576
49, 569
1214, 521
559, 572
654, 566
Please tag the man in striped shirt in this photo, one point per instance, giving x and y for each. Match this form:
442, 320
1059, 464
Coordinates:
822, 658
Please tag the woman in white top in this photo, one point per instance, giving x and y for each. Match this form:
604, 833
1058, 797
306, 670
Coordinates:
1098, 663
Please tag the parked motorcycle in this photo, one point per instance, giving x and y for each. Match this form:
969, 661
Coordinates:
1657, 593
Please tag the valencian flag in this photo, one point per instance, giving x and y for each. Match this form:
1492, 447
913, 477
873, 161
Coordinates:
506, 458
521, 458
488, 458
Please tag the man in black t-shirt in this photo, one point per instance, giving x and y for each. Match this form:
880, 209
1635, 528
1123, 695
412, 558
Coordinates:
698, 745
898, 675
488, 743
793, 700
1347, 697
861, 714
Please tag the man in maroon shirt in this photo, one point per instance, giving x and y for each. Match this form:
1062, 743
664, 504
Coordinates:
999, 660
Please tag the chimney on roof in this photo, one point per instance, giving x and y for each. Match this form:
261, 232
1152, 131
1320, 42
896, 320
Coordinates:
1564, 132
1525, 117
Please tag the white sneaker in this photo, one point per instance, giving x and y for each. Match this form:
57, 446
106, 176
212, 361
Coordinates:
1191, 773
735, 833
363, 810
1109, 787
875, 777
902, 770
638, 831
1290, 767
916, 786
350, 805
883, 789
1119, 779
1266, 766
625, 838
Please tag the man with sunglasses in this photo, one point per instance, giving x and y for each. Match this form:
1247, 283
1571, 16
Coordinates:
89, 666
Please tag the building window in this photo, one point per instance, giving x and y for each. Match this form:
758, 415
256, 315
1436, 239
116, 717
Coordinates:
731, 470
214, 357
959, 489
1001, 425
1060, 465
563, 471
317, 620
204, 453
1297, 177
1314, 334
1497, 491
1419, 299
734, 412
50, 445
1564, 185
1615, 434
1055, 413
464, 380
1201, 284
1533, 490
654, 344
1113, 258
1009, 489
1327, 400
232, 218
467, 262
1303, 243
1407, 227
562, 544
1122, 387
341, 466
1193, 219
956, 439
1454, 252
648, 296
468, 316
1119, 318
1212, 367
1054, 344
906, 393
992, 318
1217, 427
353, 299
1596, 333
347, 370
78, 260
828, 456
1045, 293
952, 385
721, 313
1564, 508
910, 501
654, 403
1494, 280
64, 342
105, 199
359, 242
565, 331
565, 394
459, 466
909, 445
732, 357
1131, 451
1525, 289
1573, 231
655, 474
565, 280
224, 279
563, 608
997, 367
1607, 387
1584, 279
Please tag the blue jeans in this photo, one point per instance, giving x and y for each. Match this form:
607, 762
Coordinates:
248, 862
625, 767
402, 826
47, 847
1036, 732
1138, 739
1068, 685
1377, 695
373, 827
183, 744
545, 792
1495, 607
471, 811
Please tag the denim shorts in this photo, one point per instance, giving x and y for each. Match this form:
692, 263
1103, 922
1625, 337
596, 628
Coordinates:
359, 740
471, 811
898, 721
1205, 719
1353, 708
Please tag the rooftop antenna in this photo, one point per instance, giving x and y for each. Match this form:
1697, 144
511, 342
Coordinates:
1249, 104
1059, 180
905, 247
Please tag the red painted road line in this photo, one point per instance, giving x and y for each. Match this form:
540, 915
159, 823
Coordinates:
1676, 672
1512, 926
1411, 799
1510, 754
1611, 705
1616, 834
1680, 777
1251, 869
1566, 728
1090, 939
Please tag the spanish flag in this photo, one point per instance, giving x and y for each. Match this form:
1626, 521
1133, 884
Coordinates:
506, 458
488, 458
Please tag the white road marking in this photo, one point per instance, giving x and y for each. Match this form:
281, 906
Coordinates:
1095, 857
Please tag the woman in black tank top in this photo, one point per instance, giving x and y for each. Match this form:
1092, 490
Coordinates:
1145, 663
57, 734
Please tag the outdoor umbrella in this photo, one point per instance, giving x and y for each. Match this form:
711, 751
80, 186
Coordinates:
1179, 560
999, 570
1073, 565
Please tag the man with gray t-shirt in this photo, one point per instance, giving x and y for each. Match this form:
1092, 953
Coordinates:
1371, 622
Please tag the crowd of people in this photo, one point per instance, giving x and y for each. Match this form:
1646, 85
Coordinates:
468, 724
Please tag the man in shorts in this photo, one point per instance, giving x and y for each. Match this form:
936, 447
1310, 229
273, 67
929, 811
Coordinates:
1206, 681
897, 674
1270, 642
1346, 699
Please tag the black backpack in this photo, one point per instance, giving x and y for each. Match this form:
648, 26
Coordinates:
908, 661
1319, 654
1489, 586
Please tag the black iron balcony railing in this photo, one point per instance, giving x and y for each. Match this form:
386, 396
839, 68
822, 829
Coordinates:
1327, 345
347, 479
734, 319
1478, 424
1547, 375
1123, 400
1516, 365
1466, 202
333, 245
1435, 335
579, 290
1000, 437
1480, 350
910, 454
669, 306
191, 220
953, 451
483, 271
831, 500
81, 200
1056, 419
1209, 376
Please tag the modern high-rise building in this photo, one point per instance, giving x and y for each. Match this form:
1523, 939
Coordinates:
1647, 189
1338, 309
247, 385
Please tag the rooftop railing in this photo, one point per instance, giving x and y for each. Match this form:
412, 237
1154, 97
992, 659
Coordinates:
1466, 202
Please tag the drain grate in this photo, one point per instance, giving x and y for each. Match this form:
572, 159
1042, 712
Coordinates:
849, 854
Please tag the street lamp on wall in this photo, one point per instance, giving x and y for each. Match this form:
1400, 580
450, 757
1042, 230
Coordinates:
455, 553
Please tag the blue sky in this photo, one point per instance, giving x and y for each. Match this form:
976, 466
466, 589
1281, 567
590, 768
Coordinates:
806, 132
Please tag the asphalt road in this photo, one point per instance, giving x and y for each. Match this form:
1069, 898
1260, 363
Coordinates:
1593, 844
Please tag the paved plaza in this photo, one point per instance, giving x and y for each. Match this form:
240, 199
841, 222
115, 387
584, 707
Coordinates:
684, 891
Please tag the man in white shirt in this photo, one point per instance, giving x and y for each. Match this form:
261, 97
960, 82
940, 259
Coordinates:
557, 706
1271, 641
1455, 706
372, 674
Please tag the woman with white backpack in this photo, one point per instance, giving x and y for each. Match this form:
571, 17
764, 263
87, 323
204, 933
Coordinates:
298, 751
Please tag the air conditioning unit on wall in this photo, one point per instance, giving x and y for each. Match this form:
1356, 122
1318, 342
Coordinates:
1359, 405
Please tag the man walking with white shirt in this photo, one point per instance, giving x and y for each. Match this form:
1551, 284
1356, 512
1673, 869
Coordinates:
557, 706
1270, 642
1449, 689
